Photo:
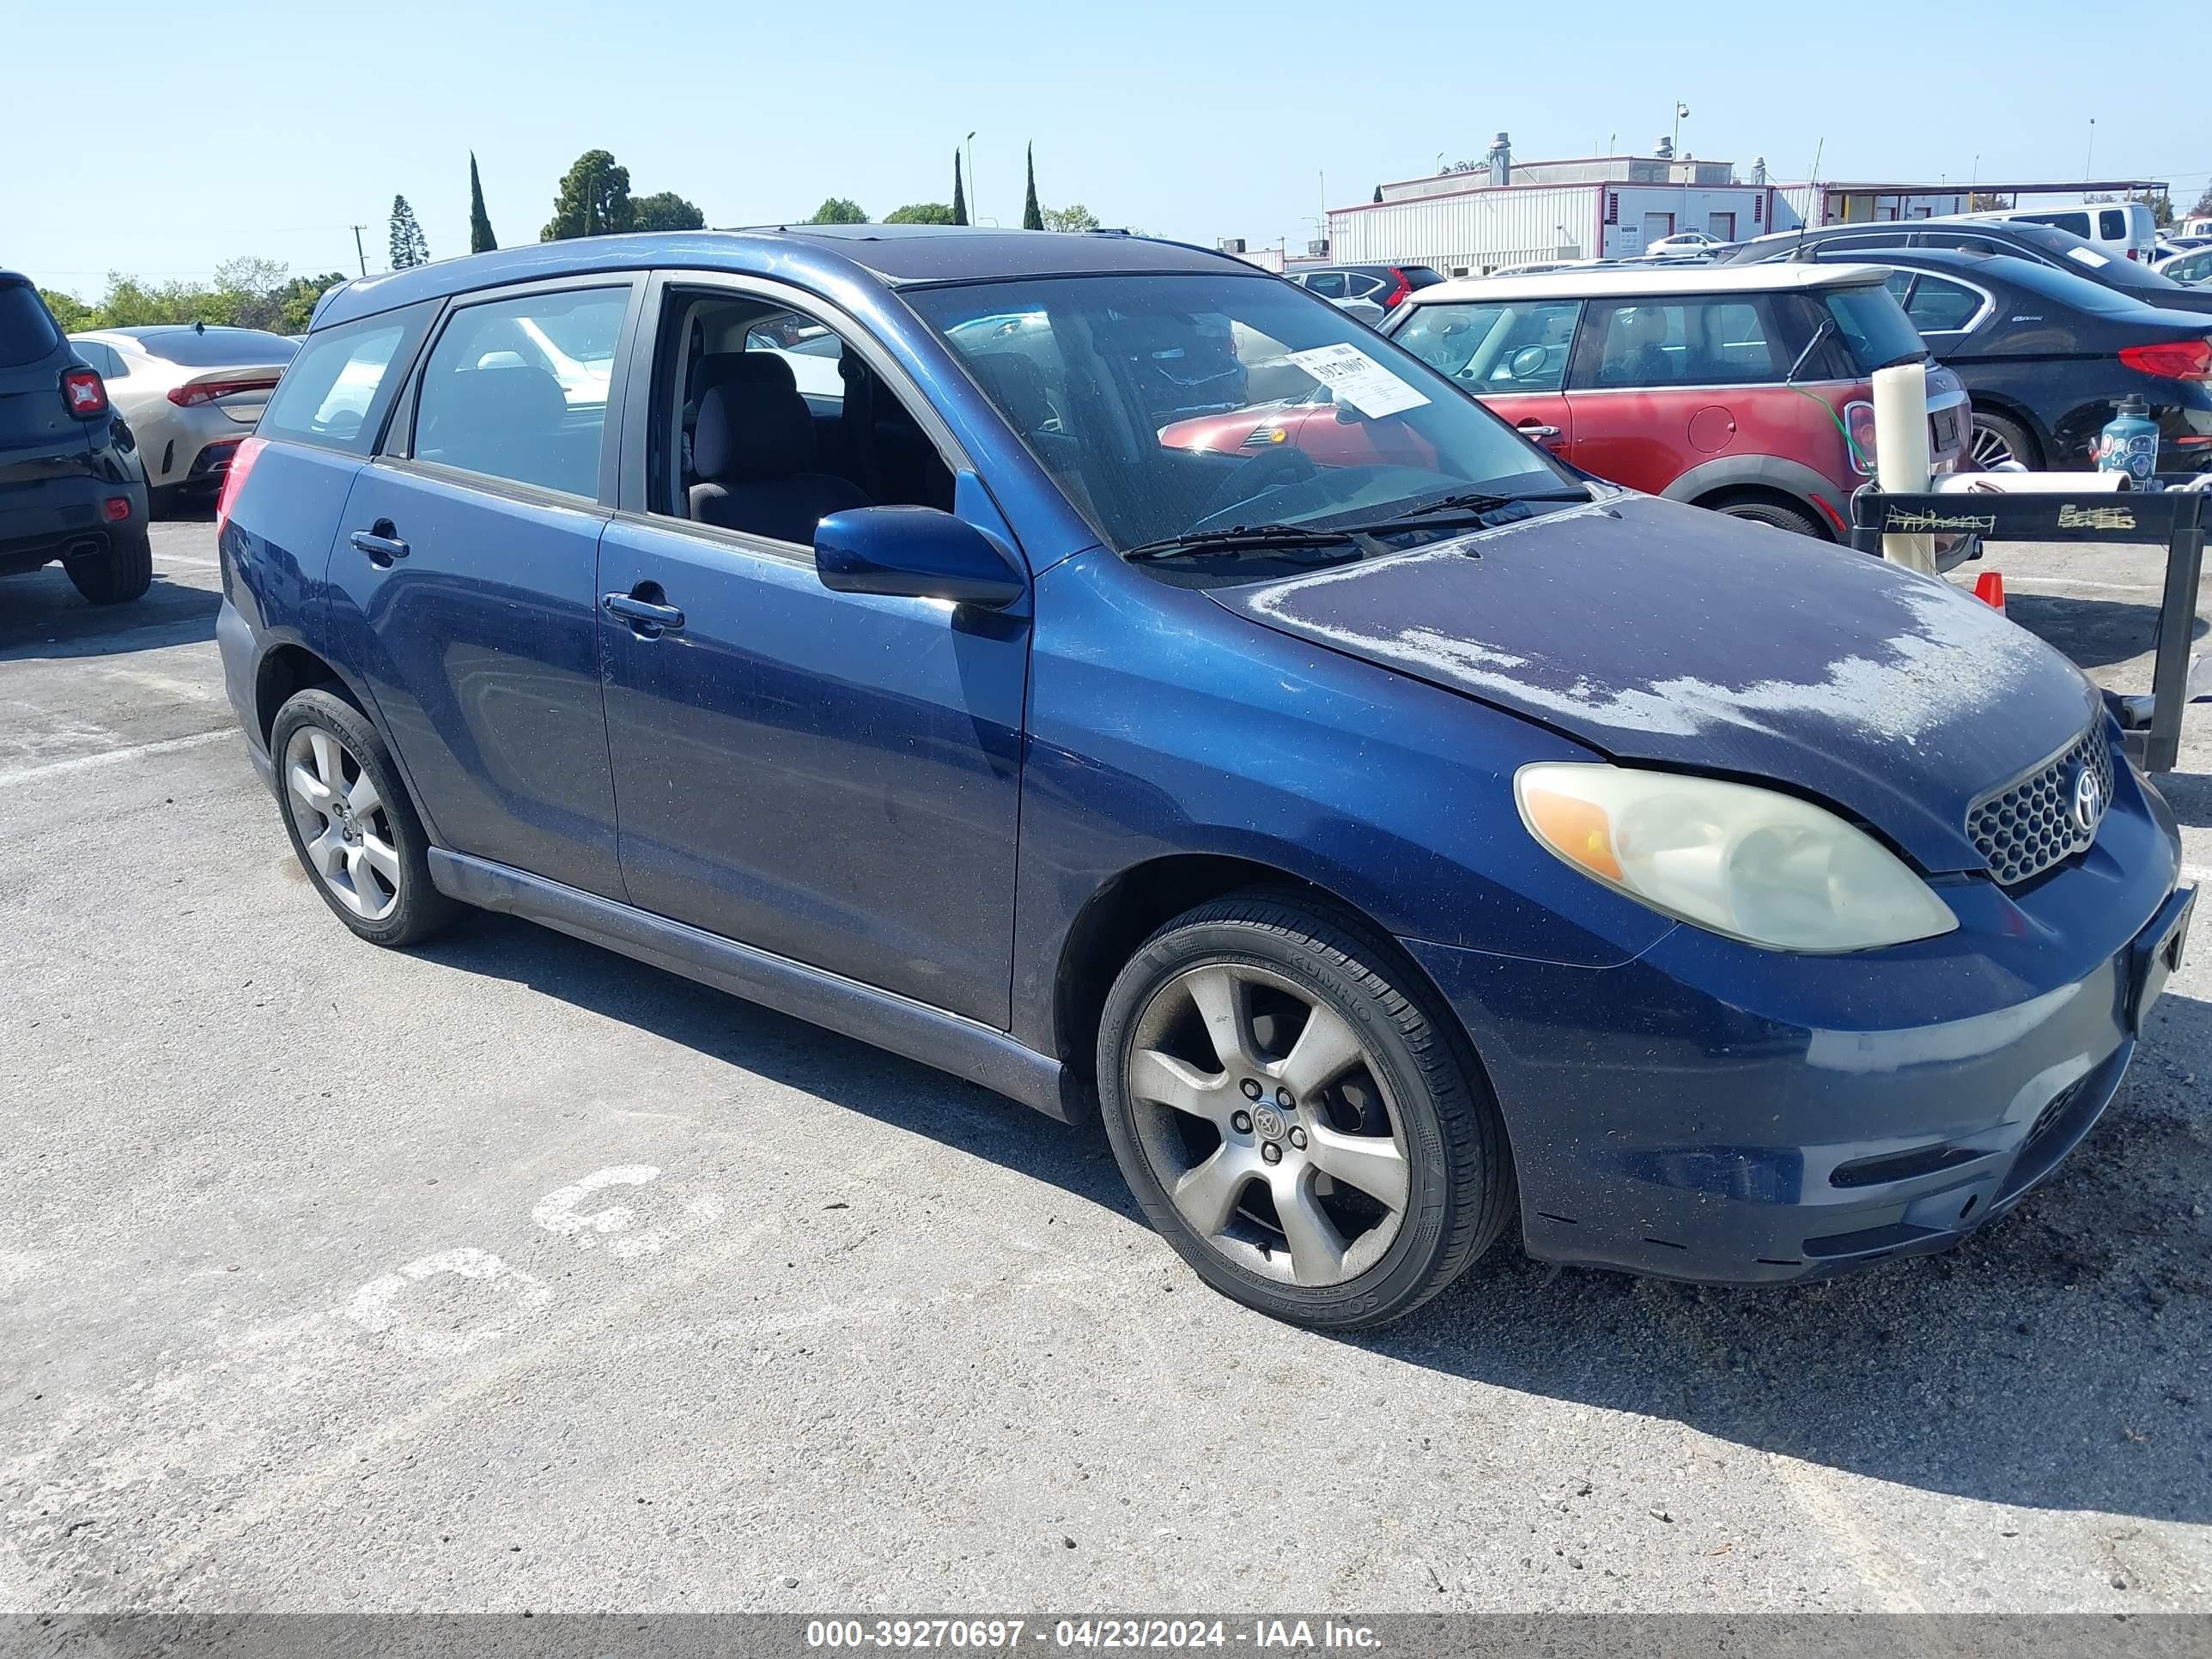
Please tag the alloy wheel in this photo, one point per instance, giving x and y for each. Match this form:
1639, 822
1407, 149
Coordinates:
1268, 1123
1990, 448
345, 827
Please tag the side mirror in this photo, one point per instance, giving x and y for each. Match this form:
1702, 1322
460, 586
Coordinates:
916, 553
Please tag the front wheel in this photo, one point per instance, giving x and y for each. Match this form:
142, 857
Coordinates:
1307, 1131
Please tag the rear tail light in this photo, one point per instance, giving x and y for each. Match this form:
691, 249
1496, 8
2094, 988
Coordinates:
2175, 360
1398, 295
234, 480
1858, 427
84, 392
206, 392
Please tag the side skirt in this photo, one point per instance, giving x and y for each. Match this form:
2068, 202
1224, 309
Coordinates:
949, 1042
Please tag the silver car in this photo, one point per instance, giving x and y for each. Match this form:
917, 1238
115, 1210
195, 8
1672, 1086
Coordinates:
189, 393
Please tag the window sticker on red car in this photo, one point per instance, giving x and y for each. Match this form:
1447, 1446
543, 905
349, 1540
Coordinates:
1358, 380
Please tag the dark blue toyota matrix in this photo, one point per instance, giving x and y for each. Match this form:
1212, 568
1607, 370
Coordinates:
1387, 828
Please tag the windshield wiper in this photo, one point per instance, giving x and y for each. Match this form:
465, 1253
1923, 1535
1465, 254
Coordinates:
1473, 503
1240, 538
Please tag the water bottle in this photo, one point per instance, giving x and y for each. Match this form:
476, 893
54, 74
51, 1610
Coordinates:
2129, 442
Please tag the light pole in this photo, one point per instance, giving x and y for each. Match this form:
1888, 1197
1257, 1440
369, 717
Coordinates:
2088, 162
1681, 110
970, 141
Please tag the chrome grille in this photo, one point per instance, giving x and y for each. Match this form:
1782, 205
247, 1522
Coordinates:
2030, 826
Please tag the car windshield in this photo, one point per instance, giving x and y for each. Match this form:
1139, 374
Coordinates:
1171, 406
27, 332
217, 348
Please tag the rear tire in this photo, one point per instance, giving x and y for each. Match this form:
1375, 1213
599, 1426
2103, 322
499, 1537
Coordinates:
1297, 1118
1797, 522
123, 572
356, 832
1996, 439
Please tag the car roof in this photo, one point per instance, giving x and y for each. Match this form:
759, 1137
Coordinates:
1608, 281
896, 255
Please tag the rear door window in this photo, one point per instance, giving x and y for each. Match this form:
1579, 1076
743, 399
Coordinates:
1941, 307
337, 391
1329, 284
27, 332
1690, 341
517, 389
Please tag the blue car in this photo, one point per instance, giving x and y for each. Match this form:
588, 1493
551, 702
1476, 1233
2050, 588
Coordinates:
1387, 831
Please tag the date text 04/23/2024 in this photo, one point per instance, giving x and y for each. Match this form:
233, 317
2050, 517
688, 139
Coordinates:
987, 1635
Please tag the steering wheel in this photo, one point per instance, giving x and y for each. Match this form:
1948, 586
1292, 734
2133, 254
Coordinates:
1283, 464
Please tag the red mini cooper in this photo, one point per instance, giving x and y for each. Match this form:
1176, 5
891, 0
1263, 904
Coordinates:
1743, 388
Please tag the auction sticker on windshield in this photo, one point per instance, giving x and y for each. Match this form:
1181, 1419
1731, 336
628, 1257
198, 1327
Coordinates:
1357, 379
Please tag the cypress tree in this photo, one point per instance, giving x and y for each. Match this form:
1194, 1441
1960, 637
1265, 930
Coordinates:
481, 240
959, 196
1032, 214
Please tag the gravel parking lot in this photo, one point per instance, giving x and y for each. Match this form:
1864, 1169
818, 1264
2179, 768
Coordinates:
511, 1274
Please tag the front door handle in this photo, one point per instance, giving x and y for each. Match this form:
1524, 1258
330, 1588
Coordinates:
647, 619
379, 542
1537, 430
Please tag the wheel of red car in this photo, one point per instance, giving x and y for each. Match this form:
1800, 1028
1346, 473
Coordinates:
1310, 1135
1794, 520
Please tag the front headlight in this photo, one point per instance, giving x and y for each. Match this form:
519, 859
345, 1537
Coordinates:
1751, 863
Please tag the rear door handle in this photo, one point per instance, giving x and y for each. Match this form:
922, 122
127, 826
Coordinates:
1537, 430
648, 620
379, 544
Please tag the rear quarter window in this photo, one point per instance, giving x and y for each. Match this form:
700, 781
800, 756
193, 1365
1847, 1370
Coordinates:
26, 332
337, 390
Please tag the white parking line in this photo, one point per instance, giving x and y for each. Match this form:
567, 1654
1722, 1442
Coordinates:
197, 564
109, 756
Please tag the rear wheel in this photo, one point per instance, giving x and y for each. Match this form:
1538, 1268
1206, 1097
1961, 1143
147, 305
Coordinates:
351, 823
1793, 520
122, 571
1998, 440
1305, 1130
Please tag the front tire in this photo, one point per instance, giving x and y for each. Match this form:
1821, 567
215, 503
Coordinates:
122, 572
354, 830
1305, 1128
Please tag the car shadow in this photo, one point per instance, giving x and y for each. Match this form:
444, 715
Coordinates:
2093, 633
2053, 1361
2188, 793
42, 615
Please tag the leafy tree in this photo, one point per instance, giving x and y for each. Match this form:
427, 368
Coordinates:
295, 300
594, 199
1378, 192
922, 213
665, 210
2161, 208
959, 196
839, 210
481, 240
247, 292
1982, 202
71, 314
1075, 218
2204, 204
410, 247
1032, 215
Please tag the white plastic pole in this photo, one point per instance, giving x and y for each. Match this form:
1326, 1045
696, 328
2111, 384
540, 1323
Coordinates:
1901, 457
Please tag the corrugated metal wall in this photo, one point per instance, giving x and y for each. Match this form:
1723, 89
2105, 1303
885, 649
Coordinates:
1476, 231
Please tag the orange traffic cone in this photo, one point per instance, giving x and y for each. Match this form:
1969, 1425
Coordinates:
1989, 588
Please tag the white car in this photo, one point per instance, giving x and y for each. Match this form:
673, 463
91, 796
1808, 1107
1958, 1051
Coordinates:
2192, 265
1683, 244
188, 394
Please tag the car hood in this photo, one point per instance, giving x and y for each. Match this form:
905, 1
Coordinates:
1660, 633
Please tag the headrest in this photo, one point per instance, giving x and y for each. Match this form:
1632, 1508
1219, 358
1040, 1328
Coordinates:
521, 398
753, 430
744, 369
1015, 383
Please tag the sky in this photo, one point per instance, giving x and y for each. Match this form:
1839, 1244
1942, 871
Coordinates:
270, 131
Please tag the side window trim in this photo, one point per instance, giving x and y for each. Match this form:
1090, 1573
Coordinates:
397, 448
630, 498
1981, 314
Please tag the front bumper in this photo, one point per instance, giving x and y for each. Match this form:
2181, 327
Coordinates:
1714, 1112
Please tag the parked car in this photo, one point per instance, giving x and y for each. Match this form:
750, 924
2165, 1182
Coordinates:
2046, 356
2192, 267
1741, 389
2126, 229
190, 393
2037, 244
71, 488
1375, 847
1385, 286
1684, 244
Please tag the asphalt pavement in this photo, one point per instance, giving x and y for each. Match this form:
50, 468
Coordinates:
508, 1273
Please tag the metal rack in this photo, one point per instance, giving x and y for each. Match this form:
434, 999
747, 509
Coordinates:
2173, 515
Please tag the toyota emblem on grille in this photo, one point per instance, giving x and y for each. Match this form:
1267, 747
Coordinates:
2089, 800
